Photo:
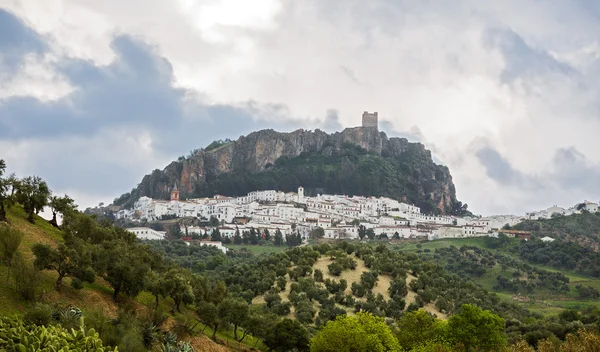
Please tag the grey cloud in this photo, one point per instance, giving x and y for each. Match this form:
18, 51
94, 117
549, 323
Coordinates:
522, 59
134, 94
497, 167
573, 171
16, 40
332, 121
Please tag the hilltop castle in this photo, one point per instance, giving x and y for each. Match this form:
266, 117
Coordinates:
369, 119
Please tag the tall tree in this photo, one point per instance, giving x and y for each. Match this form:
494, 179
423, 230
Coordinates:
177, 284
33, 193
60, 205
71, 259
4, 186
235, 312
125, 267
278, 238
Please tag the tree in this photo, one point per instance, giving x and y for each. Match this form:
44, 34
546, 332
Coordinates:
362, 231
10, 239
316, 233
287, 335
72, 259
5, 184
215, 235
235, 312
176, 231
237, 239
476, 328
278, 238
417, 327
364, 332
208, 313
33, 193
125, 267
267, 235
177, 285
370, 234
60, 205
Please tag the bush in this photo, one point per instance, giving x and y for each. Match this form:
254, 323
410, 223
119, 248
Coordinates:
39, 314
76, 283
16, 336
26, 278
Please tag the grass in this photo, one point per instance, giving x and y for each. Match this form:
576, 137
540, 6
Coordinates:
542, 301
257, 249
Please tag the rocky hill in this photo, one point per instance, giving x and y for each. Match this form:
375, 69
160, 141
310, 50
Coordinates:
358, 160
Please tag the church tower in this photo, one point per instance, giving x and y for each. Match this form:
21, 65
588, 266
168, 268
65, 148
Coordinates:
175, 193
300, 194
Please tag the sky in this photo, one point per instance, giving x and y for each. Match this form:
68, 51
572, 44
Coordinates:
96, 94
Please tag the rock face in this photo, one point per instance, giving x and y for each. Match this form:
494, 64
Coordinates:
260, 150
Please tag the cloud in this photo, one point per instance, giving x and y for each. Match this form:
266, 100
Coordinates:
172, 78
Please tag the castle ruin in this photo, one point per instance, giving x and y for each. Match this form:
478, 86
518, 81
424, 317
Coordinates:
369, 119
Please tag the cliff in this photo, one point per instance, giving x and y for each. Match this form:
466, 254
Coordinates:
349, 162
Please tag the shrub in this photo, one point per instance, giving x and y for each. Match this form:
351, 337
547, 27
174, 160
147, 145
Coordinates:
26, 278
16, 336
39, 314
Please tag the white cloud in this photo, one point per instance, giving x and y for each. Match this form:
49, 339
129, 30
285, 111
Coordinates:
521, 75
34, 78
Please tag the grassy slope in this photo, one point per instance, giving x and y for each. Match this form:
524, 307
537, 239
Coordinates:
94, 297
544, 302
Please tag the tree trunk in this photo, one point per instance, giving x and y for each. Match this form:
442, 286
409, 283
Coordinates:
2, 212
235, 332
30, 217
214, 335
116, 293
58, 283
54, 222
156, 299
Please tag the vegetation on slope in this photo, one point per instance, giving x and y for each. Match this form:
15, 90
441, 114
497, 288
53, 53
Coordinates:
582, 228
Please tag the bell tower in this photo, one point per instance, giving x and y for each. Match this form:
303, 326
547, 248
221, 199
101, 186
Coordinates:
175, 193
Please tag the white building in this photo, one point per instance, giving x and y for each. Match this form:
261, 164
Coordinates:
146, 233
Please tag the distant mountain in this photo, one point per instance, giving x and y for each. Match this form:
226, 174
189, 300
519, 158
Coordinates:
356, 161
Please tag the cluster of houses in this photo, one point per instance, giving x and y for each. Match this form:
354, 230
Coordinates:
556, 210
340, 216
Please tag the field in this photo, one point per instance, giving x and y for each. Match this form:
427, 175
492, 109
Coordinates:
256, 249
541, 301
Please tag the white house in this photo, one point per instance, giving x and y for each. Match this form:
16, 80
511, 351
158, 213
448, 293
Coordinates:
547, 239
146, 233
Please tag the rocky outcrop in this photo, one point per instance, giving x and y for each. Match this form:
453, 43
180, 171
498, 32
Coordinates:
260, 150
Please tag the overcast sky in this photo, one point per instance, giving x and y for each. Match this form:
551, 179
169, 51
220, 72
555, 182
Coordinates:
96, 94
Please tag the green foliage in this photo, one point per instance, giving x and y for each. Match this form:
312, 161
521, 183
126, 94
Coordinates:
585, 227
71, 259
10, 239
16, 336
60, 205
217, 144
38, 314
477, 329
364, 332
33, 193
417, 328
26, 278
287, 335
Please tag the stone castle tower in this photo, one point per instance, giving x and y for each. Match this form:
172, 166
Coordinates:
369, 119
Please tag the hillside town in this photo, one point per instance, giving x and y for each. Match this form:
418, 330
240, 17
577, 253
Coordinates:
340, 216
